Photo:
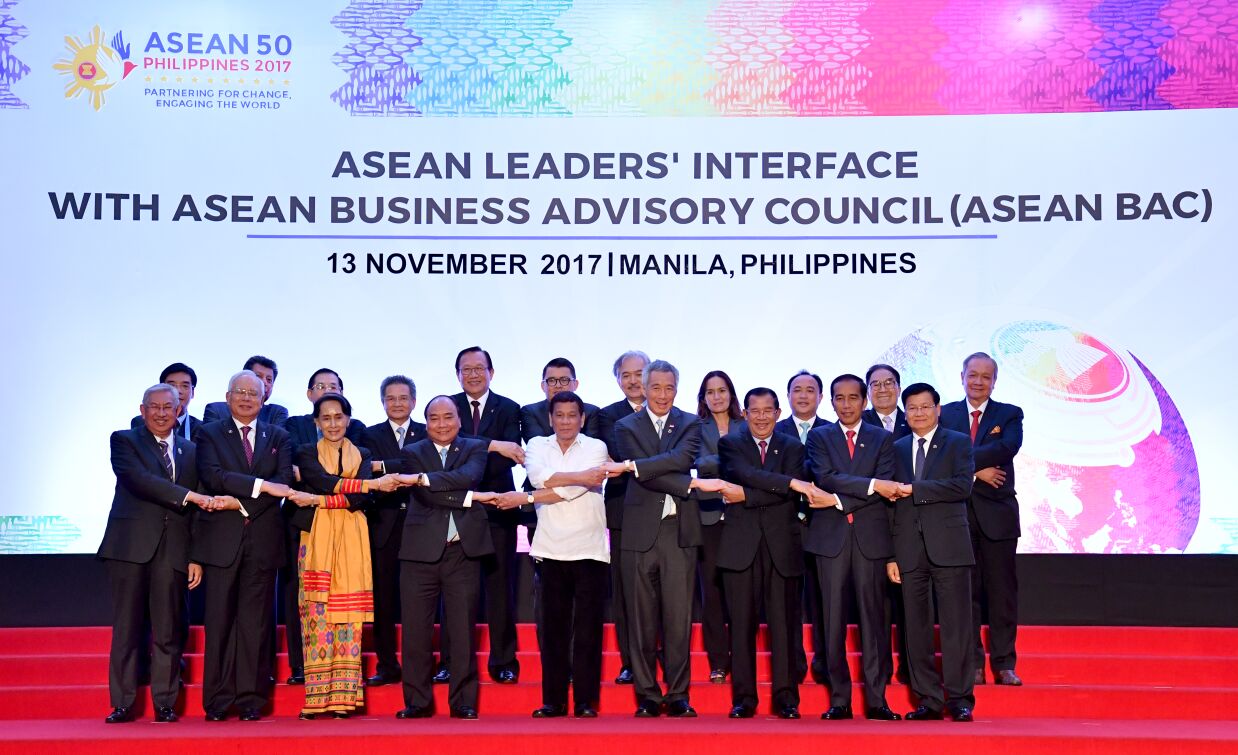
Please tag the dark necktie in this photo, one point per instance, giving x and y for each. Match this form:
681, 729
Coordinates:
476, 416
851, 443
249, 449
167, 460
921, 458
762, 445
975, 425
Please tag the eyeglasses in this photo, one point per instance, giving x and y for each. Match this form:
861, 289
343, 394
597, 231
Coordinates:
326, 387
244, 393
472, 371
878, 384
920, 409
762, 412
559, 382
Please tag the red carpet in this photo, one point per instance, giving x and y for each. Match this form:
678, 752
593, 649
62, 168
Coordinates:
1087, 689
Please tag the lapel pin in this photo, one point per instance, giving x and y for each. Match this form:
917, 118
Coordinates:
934, 446
264, 434
775, 452
997, 429
861, 445
178, 450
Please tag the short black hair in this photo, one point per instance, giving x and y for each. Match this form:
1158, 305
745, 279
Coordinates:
426, 412
868, 376
559, 363
310, 385
566, 397
396, 380
264, 361
760, 391
820, 385
848, 376
180, 367
915, 389
486, 354
326, 397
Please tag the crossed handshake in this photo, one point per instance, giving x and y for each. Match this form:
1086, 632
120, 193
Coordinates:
892, 490
215, 502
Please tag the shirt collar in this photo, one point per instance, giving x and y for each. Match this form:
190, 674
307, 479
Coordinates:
982, 408
854, 428
252, 425
406, 424
928, 437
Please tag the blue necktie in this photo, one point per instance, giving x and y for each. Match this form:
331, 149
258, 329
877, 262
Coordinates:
452, 533
921, 458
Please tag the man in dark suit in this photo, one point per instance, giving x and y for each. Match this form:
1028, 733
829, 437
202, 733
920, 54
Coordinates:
804, 391
446, 536
181, 377
272, 414
297, 519
385, 516
996, 432
241, 549
558, 375
884, 387
761, 557
495, 419
146, 547
850, 538
661, 534
628, 369
933, 555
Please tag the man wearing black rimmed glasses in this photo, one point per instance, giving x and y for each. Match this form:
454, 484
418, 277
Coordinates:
558, 375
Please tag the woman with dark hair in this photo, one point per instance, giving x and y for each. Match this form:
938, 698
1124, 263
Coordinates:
718, 408
333, 561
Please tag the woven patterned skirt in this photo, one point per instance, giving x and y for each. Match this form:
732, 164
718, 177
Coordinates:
333, 674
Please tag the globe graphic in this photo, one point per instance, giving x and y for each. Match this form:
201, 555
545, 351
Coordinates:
1107, 464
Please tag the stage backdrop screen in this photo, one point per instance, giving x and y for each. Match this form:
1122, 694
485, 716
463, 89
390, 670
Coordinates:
753, 187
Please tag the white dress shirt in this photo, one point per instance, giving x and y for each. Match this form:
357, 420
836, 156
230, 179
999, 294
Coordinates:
573, 529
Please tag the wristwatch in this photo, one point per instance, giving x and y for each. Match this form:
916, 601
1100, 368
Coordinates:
529, 498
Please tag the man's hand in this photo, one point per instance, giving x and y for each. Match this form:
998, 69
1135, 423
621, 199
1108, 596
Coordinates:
819, 499
277, 489
612, 468
302, 499
707, 484
484, 497
506, 448
886, 489
732, 493
376, 467
225, 503
991, 475
195, 575
893, 573
386, 484
591, 478
512, 500
407, 480
904, 490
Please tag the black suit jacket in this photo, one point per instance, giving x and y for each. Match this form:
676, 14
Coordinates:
194, 425
616, 487
146, 506
223, 471
665, 466
769, 506
834, 470
937, 508
998, 440
385, 511
788, 426
425, 525
500, 420
272, 414
900, 421
315, 479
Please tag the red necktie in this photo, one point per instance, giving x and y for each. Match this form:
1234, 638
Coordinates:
975, 424
851, 443
249, 449
762, 445
477, 417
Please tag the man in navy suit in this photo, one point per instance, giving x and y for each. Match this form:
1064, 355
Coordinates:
850, 538
628, 369
933, 555
272, 414
996, 432
240, 550
385, 516
661, 535
146, 548
760, 556
487, 416
446, 537
558, 375
181, 377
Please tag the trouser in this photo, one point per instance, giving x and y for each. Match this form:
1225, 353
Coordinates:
159, 587
455, 577
573, 595
658, 585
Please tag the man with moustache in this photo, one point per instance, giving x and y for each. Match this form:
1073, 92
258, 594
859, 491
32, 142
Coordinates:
272, 414
487, 416
851, 541
628, 368
933, 555
446, 537
181, 377
385, 516
996, 432
240, 549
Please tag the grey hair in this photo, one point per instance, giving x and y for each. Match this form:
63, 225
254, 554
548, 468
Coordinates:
246, 374
980, 355
628, 355
658, 365
160, 388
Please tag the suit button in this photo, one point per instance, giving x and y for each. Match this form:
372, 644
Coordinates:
403, 506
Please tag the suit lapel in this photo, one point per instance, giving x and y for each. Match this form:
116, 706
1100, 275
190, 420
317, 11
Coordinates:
647, 433
453, 455
178, 458
671, 430
150, 445
838, 439
234, 443
488, 414
988, 421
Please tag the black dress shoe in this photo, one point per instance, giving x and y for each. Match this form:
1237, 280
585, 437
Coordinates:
718, 676
506, 676
881, 714
962, 714
295, 679
119, 715
251, 714
464, 712
625, 676
1007, 677
165, 715
648, 709
214, 717
742, 711
340, 714
550, 711
307, 716
415, 711
923, 714
680, 709
789, 712
837, 713
442, 676
380, 679
585, 711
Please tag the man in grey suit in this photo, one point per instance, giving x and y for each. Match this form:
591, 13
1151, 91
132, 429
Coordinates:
661, 534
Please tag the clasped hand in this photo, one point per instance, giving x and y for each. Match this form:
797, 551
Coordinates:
503, 501
218, 503
892, 490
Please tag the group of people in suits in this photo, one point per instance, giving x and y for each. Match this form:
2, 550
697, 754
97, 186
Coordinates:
795, 519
